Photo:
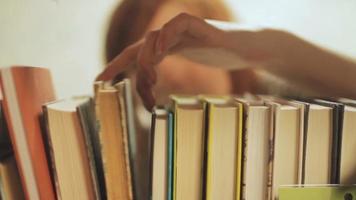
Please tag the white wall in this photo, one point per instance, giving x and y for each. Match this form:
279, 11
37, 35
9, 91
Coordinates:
68, 35
64, 35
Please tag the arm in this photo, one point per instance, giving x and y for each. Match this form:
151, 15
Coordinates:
280, 53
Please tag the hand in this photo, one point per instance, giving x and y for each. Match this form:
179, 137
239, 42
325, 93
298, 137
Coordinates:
182, 31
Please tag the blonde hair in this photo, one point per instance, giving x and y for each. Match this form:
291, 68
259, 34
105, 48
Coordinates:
132, 17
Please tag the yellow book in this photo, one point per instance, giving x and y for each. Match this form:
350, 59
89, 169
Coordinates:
224, 148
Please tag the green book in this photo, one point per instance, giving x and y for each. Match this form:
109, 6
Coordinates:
314, 192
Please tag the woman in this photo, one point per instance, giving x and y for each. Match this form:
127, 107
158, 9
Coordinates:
131, 21
176, 74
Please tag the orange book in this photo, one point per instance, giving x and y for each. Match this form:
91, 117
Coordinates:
24, 91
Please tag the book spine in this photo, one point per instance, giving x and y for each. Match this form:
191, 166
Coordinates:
83, 117
209, 143
95, 139
304, 141
270, 193
244, 155
239, 151
129, 163
151, 153
341, 109
171, 136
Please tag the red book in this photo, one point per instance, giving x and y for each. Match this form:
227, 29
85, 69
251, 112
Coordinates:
24, 91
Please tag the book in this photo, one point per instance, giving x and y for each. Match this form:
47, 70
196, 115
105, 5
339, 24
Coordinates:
284, 144
318, 192
188, 147
114, 142
24, 91
159, 154
317, 144
71, 150
256, 149
224, 135
10, 183
86, 112
128, 122
347, 158
303, 109
337, 129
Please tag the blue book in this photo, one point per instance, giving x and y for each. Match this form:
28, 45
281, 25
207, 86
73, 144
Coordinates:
170, 163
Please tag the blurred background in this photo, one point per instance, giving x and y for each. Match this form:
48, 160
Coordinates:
69, 36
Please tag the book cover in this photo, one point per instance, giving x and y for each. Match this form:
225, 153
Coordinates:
25, 89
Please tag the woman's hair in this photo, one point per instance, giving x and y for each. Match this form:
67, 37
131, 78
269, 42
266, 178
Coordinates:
132, 17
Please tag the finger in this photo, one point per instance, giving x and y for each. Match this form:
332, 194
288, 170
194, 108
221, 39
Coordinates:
144, 89
147, 57
185, 26
120, 63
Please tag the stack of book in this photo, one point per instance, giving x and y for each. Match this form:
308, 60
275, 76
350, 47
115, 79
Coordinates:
202, 147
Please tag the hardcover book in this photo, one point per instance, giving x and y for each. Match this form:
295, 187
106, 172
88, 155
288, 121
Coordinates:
24, 91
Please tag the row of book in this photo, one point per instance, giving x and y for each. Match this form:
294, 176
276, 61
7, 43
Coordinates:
201, 147
231, 147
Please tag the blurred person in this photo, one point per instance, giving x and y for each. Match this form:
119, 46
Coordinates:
300, 66
176, 74
130, 22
